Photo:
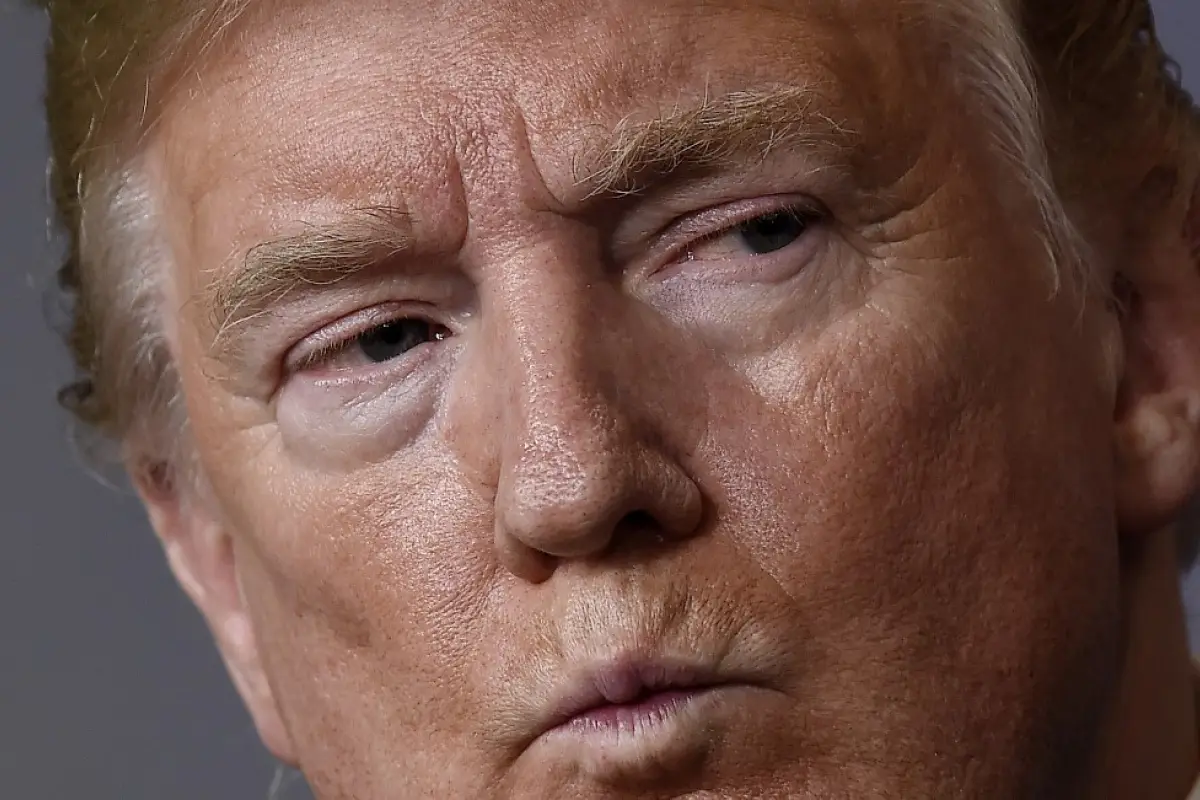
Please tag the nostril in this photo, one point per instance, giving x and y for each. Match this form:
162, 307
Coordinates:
643, 525
639, 520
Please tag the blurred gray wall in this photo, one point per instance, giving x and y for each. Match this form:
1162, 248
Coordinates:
109, 686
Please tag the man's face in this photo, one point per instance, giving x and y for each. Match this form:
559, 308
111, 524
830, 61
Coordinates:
543, 356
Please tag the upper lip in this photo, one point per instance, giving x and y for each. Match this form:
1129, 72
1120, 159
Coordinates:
624, 680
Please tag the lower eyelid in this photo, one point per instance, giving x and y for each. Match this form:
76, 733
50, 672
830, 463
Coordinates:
744, 269
361, 375
387, 407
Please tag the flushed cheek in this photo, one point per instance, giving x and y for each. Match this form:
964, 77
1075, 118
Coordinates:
893, 413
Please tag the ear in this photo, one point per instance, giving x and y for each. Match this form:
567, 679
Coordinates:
200, 552
1158, 409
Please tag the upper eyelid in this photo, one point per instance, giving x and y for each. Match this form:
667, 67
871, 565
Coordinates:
262, 340
342, 332
785, 171
689, 230
803, 207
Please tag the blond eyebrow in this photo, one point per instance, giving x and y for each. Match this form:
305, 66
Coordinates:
319, 255
713, 134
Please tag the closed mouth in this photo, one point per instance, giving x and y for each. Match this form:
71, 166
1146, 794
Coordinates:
625, 694
649, 706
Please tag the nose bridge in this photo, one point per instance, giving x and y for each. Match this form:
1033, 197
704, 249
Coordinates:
561, 370
569, 447
574, 453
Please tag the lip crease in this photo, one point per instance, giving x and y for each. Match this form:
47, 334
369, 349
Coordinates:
619, 692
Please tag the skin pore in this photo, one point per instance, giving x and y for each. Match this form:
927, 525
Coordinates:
486, 406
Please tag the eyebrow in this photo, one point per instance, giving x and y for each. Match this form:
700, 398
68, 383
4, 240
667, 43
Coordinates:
319, 255
634, 155
715, 133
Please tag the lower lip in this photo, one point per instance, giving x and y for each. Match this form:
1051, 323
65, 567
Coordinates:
664, 734
651, 710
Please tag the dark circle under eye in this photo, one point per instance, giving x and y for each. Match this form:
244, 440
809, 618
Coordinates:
770, 232
394, 339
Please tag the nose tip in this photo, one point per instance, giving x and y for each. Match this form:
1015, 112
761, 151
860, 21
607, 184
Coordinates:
568, 505
567, 510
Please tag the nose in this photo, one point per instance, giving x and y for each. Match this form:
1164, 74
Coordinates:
577, 481
581, 457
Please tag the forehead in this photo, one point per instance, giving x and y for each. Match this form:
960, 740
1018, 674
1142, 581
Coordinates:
556, 53
342, 93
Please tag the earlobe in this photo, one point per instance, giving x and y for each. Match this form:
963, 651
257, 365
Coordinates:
201, 555
1158, 460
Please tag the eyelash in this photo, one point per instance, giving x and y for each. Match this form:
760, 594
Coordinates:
692, 228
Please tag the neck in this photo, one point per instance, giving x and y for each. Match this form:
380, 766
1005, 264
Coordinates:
1153, 750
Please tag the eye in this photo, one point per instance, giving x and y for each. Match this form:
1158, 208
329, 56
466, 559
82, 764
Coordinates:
393, 339
759, 235
358, 343
771, 232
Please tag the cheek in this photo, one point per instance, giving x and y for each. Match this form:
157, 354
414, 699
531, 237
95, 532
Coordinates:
366, 590
953, 453
931, 504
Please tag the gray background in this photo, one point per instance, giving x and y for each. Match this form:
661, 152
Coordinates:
109, 686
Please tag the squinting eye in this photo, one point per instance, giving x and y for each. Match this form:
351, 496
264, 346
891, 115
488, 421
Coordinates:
388, 340
393, 339
758, 236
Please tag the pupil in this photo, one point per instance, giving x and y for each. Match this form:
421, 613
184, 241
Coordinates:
394, 339
772, 232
